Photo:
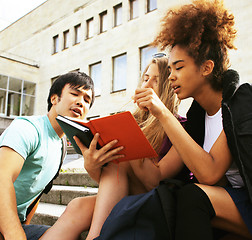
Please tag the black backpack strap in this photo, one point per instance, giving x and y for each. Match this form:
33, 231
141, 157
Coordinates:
167, 194
50, 184
63, 154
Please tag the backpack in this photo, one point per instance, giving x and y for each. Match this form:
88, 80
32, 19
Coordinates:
237, 124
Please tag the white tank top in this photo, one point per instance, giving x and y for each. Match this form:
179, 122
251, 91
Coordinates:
213, 128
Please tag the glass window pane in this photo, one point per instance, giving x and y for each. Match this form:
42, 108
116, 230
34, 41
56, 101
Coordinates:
15, 84
28, 105
119, 72
3, 81
56, 44
134, 11
10, 98
13, 107
29, 88
146, 56
77, 32
2, 102
103, 22
118, 14
152, 5
66, 39
95, 74
90, 28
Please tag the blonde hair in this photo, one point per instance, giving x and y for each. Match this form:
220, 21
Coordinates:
149, 124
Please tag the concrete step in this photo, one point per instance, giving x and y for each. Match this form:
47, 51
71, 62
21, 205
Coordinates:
62, 195
73, 163
47, 214
70, 150
75, 179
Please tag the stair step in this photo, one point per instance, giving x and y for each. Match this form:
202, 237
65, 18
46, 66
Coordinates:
62, 195
53, 210
47, 214
73, 163
75, 179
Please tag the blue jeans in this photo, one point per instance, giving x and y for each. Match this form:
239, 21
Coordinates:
34, 232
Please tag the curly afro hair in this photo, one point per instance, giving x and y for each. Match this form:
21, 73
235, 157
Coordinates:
206, 29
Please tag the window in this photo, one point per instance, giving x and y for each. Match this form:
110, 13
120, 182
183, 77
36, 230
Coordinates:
28, 98
53, 79
75, 70
90, 28
95, 74
3, 94
146, 56
151, 5
118, 15
103, 22
119, 73
2, 102
66, 39
17, 97
56, 44
77, 34
134, 10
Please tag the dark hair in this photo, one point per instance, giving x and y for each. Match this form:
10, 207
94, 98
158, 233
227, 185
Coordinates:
74, 79
205, 29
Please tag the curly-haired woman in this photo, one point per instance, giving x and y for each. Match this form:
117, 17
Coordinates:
199, 35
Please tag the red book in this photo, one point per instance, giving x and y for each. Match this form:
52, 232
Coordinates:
121, 126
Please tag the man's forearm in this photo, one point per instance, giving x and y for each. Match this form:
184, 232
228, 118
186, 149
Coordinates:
10, 226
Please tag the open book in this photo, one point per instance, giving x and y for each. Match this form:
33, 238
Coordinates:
121, 126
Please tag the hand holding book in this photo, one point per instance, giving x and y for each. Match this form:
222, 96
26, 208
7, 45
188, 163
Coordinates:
100, 156
95, 158
121, 127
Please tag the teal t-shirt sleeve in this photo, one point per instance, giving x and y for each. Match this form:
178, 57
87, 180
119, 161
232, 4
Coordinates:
22, 136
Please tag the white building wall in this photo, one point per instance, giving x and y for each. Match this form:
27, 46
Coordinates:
31, 37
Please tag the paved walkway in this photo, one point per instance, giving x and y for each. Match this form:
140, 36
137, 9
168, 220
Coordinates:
73, 162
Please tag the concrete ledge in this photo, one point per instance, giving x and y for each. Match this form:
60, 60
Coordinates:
62, 195
47, 214
43, 219
75, 179
70, 150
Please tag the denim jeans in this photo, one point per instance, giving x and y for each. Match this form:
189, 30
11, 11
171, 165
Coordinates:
34, 232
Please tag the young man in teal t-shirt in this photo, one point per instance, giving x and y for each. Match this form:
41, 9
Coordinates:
30, 153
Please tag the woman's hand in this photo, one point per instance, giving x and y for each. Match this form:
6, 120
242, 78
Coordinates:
148, 100
95, 159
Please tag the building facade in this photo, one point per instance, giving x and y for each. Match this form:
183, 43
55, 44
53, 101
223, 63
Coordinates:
107, 39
